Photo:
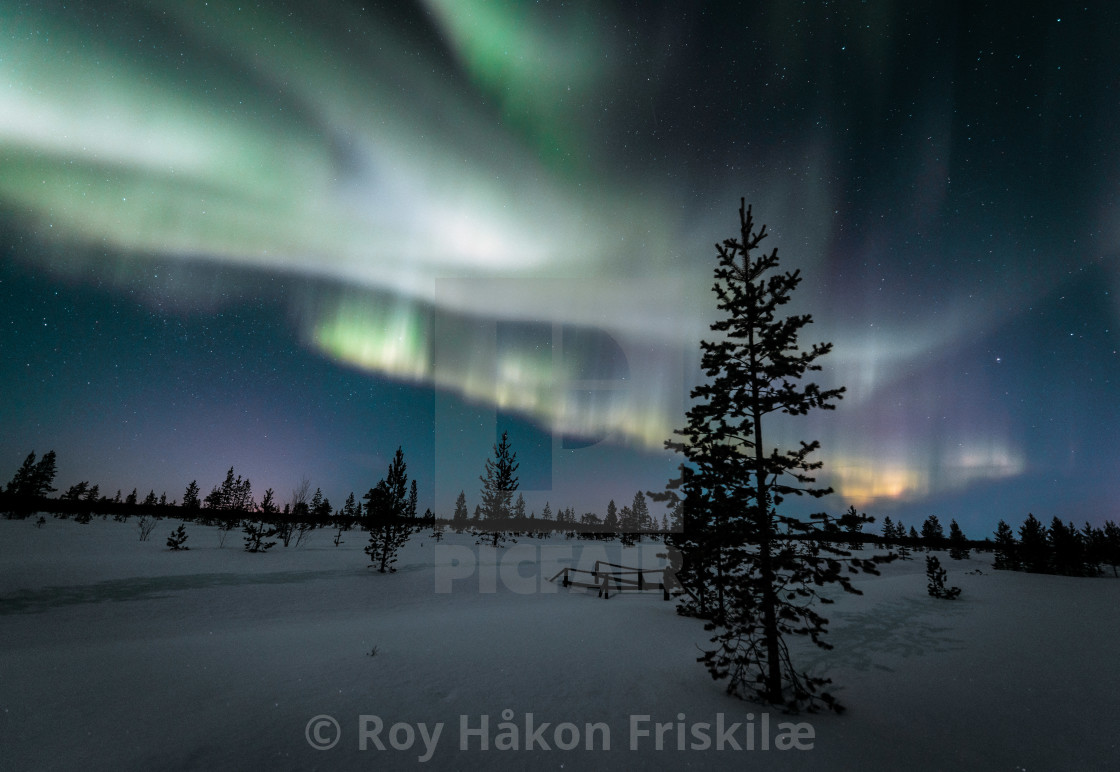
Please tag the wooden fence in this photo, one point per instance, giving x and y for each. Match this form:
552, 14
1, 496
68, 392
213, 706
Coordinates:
604, 575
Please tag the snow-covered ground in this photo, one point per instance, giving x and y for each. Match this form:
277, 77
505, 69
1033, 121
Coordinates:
118, 654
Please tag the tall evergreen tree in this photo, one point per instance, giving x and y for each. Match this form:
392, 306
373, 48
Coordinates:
190, 496
387, 517
389, 530
21, 482
761, 587
610, 522
1093, 544
43, 479
627, 525
1006, 557
350, 508
1111, 549
498, 484
1034, 551
268, 504
639, 513
888, 532
1066, 550
460, 516
33, 479
852, 522
902, 540
413, 497
958, 544
932, 533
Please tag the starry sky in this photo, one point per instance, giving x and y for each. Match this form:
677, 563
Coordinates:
291, 236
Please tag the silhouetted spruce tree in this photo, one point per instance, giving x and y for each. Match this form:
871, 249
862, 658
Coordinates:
1093, 543
387, 516
852, 522
1112, 546
1034, 550
888, 532
958, 544
388, 529
321, 512
639, 513
936, 584
268, 506
460, 516
932, 533
498, 485
190, 496
1006, 557
610, 522
902, 541
349, 509
759, 589
627, 524
1066, 553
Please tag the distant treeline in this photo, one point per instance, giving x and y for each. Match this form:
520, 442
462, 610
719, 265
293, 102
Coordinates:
1061, 548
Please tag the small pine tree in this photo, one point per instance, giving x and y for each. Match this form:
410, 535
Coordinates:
936, 576
177, 540
958, 544
257, 535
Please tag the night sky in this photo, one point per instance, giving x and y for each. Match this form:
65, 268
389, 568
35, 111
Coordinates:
291, 236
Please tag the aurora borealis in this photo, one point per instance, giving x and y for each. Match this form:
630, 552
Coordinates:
289, 236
